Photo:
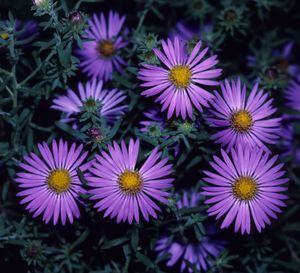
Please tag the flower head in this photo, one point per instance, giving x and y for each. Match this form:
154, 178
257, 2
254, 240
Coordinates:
283, 59
246, 186
101, 56
196, 253
243, 119
50, 184
23, 30
153, 123
38, 2
185, 32
75, 17
92, 97
188, 200
288, 143
292, 94
179, 82
278, 59
122, 189
34, 252
42, 4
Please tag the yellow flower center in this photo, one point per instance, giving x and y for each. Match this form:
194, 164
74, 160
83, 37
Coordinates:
106, 48
180, 76
130, 182
244, 188
241, 120
4, 36
59, 180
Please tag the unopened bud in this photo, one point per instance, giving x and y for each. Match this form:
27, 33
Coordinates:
75, 17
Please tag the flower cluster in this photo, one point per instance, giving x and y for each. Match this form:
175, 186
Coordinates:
51, 183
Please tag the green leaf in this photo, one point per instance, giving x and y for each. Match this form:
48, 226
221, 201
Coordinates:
114, 243
135, 239
81, 239
145, 260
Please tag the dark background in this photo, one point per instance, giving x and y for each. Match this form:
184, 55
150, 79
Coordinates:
275, 250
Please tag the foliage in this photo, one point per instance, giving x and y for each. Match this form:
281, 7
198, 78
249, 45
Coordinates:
36, 68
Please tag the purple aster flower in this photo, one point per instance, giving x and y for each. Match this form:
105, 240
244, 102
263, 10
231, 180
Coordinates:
29, 28
246, 186
185, 32
188, 32
50, 184
188, 200
154, 122
197, 253
288, 143
90, 96
292, 94
24, 30
243, 119
100, 57
124, 190
281, 59
179, 82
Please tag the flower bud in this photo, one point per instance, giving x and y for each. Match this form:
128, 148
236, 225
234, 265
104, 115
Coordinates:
96, 135
43, 4
75, 18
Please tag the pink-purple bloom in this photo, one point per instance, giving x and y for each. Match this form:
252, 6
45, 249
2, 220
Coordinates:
100, 57
288, 143
124, 191
281, 59
185, 32
292, 94
24, 31
153, 123
188, 200
50, 184
190, 31
243, 119
246, 185
91, 96
179, 83
199, 254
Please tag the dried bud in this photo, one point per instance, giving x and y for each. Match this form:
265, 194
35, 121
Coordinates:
96, 135
230, 15
272, 73
33, 251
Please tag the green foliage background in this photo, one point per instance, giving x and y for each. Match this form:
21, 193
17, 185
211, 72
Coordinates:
35, 69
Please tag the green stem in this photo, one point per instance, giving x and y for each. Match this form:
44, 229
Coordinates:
15, 87
291, 249
5, 71
40, 128
142, 19
9, 91
54, 17
78, 4
38, 68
